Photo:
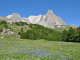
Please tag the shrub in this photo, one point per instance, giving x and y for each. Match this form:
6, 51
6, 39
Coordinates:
17, 23
3, 22
1, 29
21, 23
19, 33
22, 29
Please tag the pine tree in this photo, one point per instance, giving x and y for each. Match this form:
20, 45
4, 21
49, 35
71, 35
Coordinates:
22, 29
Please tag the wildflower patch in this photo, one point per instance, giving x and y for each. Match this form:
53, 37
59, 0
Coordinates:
43, 53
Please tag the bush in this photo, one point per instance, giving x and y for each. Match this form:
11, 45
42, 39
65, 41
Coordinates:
1, 29
21, 23
3, 22
17, 23
19, 33
22, 29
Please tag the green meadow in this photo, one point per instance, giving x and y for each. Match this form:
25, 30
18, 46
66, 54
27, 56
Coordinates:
23, 49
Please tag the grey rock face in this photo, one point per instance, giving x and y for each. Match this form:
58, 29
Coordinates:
14, 18
34, 19
3, 18
25, 20
49, 20
16, 37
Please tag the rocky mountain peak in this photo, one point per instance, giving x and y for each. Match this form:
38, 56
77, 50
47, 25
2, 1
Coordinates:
50, 12
14, 18
49, 20
73, 26
15, 14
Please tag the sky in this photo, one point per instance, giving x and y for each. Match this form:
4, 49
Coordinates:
67, 10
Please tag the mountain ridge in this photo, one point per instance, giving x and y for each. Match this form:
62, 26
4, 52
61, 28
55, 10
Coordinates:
48, 20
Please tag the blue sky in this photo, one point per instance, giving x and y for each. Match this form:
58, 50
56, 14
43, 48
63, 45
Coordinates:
68, 10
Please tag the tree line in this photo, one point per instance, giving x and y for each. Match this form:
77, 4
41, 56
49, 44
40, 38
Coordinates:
41, 32
71, 35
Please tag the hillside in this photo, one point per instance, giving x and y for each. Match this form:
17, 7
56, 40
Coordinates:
23, 30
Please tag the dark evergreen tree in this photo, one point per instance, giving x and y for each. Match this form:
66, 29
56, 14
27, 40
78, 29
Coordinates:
22, 29
65, 34
23, 35
19, 33
1, 29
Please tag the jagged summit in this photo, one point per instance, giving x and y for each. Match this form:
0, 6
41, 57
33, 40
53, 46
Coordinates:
73, 26
14, 18
49, 20
50, 12
15, 14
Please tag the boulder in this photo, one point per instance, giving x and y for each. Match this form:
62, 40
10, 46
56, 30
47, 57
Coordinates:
7, 32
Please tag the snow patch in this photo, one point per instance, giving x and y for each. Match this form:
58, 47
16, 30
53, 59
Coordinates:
58, 26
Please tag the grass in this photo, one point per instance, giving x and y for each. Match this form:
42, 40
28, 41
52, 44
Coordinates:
23, 49
61, 28
16, 28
